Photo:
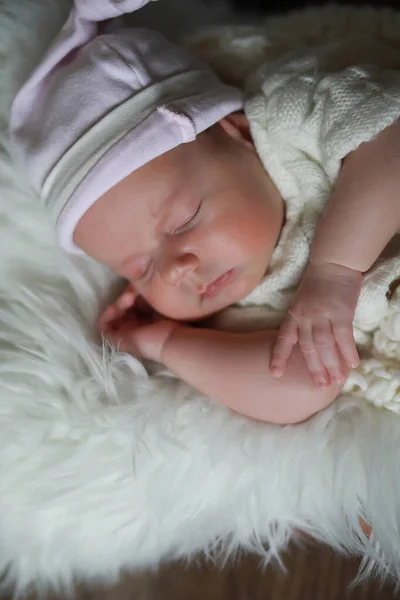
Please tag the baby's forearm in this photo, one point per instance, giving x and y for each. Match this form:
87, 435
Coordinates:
232, 368
363, 213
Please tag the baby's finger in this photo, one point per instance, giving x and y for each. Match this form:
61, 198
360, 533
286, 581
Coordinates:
113, 312
345, 340
126, 300
327, 349
107, 316
311, 356
286, 340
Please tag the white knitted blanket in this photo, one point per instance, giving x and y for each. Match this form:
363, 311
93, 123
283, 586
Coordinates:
308, 109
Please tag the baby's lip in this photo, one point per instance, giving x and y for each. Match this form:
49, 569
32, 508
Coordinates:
211, 289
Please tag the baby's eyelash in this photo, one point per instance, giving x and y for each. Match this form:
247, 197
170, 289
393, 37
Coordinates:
191, 222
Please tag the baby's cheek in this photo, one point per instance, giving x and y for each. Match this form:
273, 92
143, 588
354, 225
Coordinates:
152, 296
166, 300
254, 237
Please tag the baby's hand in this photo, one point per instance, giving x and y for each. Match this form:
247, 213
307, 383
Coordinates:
320, 320
132, 325
113, 313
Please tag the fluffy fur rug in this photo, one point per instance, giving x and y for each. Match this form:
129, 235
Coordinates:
104, 467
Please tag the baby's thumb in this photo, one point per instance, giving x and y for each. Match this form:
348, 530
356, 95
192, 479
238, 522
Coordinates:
123, 339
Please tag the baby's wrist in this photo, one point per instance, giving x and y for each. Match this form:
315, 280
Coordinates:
171, 335
151, 340
334, 269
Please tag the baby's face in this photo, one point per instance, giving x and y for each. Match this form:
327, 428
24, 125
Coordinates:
204, 212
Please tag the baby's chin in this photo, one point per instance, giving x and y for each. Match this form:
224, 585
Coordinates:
196, 319
209, 309
192, 315
203, 309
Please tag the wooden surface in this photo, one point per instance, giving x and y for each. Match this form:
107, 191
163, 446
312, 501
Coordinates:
314, 573
278, 6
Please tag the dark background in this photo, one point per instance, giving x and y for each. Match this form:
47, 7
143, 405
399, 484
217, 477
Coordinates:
276, 6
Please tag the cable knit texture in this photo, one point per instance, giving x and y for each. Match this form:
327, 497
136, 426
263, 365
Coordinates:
312, 109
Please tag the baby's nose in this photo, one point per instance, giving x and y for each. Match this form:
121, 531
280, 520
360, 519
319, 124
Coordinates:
177, 270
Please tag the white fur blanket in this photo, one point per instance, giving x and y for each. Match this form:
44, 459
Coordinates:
103, 467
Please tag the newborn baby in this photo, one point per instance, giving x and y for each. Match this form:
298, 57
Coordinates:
155, 168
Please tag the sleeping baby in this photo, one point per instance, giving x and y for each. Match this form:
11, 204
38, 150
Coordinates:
210, 203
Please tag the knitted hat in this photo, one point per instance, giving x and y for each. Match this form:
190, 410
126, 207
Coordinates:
100, 106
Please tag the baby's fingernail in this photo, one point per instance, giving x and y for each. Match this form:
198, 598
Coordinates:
338, 378
321, 382
276, 371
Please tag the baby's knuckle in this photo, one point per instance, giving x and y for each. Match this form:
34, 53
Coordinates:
277, 361
286, 336
344, 339
291, 338
307, 348
343, 331
297, 313
282, 335
322, 340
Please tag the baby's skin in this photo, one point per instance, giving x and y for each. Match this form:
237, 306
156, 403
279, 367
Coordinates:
208, 211
361, 217
187, 218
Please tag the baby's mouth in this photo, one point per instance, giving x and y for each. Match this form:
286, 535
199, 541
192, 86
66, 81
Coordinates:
213, 288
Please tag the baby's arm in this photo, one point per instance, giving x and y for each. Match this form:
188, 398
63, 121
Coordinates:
232, 368
361, 217
364, 212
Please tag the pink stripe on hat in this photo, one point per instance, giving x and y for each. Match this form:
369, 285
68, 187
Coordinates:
100, 106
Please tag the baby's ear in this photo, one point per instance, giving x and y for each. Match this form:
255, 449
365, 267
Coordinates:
237, 126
